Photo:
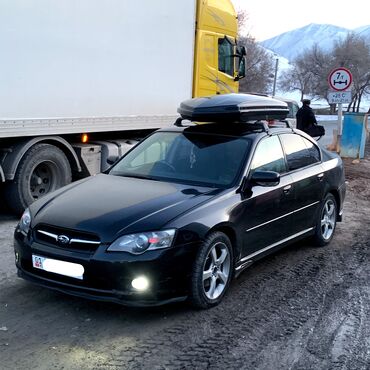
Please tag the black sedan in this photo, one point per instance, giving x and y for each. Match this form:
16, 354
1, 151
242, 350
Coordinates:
182, 213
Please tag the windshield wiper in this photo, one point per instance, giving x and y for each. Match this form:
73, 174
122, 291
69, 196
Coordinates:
135, 176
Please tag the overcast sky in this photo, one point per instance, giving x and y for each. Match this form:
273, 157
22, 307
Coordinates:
270, 18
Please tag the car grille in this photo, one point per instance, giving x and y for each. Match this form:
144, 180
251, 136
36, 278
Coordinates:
66, 238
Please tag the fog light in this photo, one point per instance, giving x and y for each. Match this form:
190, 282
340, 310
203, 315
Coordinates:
16, 257
140, 283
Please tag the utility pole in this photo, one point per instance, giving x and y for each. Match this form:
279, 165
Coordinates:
275, 76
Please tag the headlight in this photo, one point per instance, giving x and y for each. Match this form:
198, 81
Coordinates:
25, 222
139, 243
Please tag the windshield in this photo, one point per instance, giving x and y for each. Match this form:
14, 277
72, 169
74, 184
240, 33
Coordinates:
190, 158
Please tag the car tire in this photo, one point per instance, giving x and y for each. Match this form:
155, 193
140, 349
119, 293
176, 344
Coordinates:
326, 222
43, 169
212, 271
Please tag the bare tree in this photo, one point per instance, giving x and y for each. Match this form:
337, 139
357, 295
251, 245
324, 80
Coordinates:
319, 64
295, 79
242, 20
308, 74
259, 62
311, 69
354, 53
259, 68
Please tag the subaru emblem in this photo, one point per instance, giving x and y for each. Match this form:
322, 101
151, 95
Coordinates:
62, 239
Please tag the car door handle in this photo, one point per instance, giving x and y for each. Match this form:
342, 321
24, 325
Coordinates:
320, 176
286, 189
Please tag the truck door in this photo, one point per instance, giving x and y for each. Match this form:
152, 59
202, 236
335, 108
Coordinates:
215, 65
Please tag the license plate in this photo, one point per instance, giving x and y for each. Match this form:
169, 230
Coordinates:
70, 269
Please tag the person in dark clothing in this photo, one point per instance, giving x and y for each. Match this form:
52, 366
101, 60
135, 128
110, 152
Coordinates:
305, 116
306, 120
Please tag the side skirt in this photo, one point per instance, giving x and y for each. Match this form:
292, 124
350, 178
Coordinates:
246, 261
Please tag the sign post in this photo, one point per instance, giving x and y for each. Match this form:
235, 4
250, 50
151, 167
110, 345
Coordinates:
340, 80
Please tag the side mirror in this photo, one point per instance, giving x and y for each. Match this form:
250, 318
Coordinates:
241, 72
261, 178
265, 178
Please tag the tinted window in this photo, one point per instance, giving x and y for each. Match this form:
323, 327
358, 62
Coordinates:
209, 160
269, 156
152, 153
225, 56
297, 151
313, 150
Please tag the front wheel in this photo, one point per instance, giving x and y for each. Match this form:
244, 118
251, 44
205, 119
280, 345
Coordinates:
212, 271
326, 222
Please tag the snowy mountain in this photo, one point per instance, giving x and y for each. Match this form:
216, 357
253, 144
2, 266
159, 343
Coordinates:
292, 43
363, 31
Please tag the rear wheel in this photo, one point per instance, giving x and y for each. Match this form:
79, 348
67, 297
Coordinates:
326, 222
212, 271
43, 169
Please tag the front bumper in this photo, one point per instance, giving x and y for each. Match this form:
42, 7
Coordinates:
95, 294
108, 275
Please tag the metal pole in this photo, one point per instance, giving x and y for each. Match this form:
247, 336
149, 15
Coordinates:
275, 76
340, 125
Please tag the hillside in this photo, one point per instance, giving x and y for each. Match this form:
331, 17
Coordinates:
292, 43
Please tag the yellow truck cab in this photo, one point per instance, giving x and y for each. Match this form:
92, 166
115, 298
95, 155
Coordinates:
217, 66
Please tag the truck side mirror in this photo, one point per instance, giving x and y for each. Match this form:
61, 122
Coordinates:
241, 53
241, 72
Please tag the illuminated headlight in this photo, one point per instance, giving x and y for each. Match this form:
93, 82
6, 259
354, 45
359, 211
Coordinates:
139, 243
140, 283
25, 222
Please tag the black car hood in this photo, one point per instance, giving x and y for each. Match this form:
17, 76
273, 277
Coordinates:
111, 206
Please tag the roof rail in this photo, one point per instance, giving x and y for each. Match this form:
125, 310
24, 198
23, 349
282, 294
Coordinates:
283, 121
262, 125
288, 124
257, 125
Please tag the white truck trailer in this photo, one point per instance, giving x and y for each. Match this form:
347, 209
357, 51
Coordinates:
80, 81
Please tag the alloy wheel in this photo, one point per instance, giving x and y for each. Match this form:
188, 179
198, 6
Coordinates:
216, 270
328, 219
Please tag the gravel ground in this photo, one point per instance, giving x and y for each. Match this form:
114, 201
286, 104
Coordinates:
301, 308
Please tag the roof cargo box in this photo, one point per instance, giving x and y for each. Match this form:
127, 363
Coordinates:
233, 108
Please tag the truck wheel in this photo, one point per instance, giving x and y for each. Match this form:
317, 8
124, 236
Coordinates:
43, 169
212, 271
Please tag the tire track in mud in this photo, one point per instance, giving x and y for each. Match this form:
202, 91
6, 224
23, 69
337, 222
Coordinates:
232, 335
347, 336
350, 346
340, 337
277, 318
292, 314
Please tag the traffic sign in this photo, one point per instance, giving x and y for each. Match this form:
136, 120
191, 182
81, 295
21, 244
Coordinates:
339, 97
340, 79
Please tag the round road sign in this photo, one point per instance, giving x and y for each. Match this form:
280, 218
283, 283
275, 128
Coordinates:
340, 79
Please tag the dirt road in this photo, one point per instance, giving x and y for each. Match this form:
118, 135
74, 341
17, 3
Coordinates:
301, 308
